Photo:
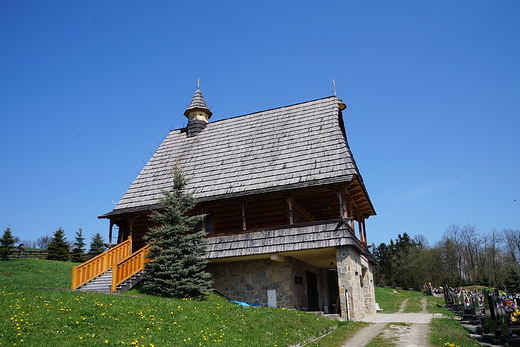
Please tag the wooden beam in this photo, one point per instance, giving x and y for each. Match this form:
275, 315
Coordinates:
365, 233
243, 206
290, 200
341, 204
110, 233
361, 233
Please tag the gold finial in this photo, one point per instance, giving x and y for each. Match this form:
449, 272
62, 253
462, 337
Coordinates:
198, 82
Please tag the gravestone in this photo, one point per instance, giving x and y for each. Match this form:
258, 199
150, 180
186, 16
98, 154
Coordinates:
469, 313
489, 306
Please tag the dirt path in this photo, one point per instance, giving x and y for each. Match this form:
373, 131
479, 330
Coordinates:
401, 329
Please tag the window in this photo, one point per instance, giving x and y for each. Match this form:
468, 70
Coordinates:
207, 224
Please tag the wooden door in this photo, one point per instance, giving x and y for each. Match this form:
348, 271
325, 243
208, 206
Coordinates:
312, 292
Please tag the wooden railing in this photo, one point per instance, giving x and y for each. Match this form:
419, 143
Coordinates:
128, 267
94, 267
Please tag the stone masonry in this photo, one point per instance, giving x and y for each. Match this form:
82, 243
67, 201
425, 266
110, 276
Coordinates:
250, 280
356, 284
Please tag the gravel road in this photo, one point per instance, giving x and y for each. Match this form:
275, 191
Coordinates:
404, 329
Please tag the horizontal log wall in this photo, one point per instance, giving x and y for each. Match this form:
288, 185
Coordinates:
259, 212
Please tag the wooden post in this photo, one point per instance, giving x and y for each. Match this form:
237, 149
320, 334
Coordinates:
110, 233
132, 221
365, 233
243, 205
360, 226
341, 205
291, 216
352, 212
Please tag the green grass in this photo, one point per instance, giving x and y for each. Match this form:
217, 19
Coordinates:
414, 302
390, 300
32, 316
449, 332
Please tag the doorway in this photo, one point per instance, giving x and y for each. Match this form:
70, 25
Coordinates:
312, 291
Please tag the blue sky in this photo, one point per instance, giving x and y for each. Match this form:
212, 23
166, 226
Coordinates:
88, 89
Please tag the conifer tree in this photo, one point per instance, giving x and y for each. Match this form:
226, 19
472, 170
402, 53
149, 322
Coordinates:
97, 245
6, 243
177, 267
58, 248
78, 252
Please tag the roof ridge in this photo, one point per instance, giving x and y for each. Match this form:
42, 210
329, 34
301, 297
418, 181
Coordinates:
273, 108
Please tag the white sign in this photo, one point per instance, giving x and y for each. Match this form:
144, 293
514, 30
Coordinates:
271, 298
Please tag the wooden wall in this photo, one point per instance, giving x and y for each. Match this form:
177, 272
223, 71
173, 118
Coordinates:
255, 212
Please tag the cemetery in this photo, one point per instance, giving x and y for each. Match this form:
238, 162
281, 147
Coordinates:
492, 316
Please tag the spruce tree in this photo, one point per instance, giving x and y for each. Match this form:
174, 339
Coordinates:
97, 245
78, 252
6, 244
58, 248
177, 266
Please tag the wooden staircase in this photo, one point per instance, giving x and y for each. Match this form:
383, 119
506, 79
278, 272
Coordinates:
115, 270
103, 283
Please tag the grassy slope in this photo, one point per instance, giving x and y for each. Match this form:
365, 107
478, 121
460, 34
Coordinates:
32, 316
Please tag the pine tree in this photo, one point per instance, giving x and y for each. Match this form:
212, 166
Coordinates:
58, 248
177, 267
97, 245
78, 252
6, 244
512, 280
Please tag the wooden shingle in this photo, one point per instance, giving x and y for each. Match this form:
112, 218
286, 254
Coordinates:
296, 146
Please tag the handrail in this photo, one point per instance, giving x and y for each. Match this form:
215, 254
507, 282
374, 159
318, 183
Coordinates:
94, 267
128, 267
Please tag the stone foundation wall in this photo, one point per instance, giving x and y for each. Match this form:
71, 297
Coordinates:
356, 284
250, 280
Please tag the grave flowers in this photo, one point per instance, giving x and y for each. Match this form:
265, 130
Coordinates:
509, 308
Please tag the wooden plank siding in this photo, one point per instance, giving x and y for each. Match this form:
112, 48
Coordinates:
286, 239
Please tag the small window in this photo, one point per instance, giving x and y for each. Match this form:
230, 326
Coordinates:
207, 224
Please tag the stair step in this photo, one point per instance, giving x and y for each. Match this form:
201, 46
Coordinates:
102, 283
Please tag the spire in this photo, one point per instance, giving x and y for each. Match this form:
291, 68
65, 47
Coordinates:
198, 113
198, 104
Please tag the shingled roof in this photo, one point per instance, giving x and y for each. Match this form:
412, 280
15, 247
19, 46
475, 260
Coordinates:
301, 145
198, 103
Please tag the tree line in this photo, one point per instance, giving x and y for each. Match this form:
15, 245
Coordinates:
462, 257
57, 246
